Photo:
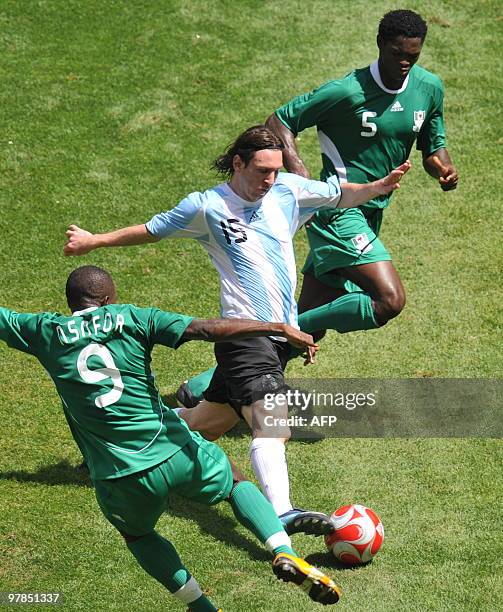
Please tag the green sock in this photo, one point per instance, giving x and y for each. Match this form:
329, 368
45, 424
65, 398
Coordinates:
203, 604
158, 557
350, 312
198, 384
253, 511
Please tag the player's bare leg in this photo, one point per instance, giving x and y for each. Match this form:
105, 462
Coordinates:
210, 419
381, 281
382, 298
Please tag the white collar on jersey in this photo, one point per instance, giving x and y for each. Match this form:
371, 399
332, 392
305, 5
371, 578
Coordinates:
245, 203
374, 71
77, 313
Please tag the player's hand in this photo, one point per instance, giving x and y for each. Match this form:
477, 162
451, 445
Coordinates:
392, 181
79, 241
310, 354
439, 165
301, 340
448, 178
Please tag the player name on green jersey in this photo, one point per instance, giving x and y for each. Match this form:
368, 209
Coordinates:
74, 329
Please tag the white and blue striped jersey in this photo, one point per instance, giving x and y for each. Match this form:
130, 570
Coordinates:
250, 243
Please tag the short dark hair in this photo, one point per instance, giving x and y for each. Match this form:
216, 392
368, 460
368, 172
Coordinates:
86, 285
256, 138
402, 23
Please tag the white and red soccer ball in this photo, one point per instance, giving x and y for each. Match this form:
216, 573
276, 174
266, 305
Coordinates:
357, 536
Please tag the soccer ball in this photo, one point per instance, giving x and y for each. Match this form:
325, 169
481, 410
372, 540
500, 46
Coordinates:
357, 536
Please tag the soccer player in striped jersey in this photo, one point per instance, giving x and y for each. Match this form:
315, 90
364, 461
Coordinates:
246, 225
138, 451
367, 123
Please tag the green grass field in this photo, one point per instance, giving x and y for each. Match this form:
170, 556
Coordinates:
112, 111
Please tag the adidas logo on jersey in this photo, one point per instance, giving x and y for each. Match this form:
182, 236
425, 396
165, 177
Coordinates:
397, 107
254, 216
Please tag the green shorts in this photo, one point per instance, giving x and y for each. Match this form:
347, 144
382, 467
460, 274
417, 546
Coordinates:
342, 239
133, 504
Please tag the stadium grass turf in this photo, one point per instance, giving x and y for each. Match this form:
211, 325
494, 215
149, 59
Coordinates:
113, 111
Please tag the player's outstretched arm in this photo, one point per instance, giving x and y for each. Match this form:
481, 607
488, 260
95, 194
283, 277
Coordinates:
354, 194
439, 166
80, 241
219, 330
291, 159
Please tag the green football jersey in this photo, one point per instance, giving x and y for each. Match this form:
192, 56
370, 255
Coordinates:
99, 360
365, 130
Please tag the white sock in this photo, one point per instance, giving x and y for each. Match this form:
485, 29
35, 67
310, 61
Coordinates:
189, 592
278, 539
268, 459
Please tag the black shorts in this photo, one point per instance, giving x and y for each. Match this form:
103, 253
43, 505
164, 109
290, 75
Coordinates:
247, 370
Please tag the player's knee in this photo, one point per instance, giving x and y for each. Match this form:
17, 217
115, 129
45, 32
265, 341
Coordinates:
130, 538
392, 303
272, 427
211, 432
286, 437
270, 419
211, 436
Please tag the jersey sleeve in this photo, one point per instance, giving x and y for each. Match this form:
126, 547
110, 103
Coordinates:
310, 109
167, 328
432, 134
19, 330
186, 220
313, 195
